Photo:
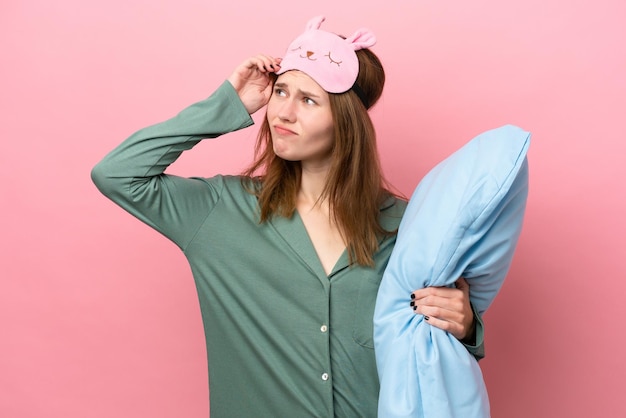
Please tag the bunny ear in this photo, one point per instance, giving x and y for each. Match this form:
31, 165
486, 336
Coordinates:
361, 39
315, 22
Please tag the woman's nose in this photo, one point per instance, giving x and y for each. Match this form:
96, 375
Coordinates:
287, 111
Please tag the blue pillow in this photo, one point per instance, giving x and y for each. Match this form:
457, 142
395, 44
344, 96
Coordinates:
463, 220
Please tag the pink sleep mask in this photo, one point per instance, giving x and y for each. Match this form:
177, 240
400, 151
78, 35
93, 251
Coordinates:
326, 57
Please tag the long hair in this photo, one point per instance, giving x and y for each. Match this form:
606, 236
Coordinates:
355, 187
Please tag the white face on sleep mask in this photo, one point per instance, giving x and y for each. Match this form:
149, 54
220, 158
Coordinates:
326, 57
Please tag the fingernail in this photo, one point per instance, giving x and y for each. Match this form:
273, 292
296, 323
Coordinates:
412, 302
426, 317
412, 295
415, 307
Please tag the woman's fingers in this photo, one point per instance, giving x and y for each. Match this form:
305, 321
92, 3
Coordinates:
253, 70
263, 63
267, 63
446, 308
252, 82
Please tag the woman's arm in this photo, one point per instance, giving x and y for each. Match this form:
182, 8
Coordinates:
132, 174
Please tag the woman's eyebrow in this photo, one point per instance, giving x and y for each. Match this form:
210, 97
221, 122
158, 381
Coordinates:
308, 94
302, 92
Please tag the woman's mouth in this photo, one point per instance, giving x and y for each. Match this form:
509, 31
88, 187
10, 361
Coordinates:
281, 130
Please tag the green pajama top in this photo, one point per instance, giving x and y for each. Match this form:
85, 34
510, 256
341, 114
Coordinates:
283, 338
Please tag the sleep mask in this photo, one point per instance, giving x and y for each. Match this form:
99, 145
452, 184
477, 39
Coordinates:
326, 57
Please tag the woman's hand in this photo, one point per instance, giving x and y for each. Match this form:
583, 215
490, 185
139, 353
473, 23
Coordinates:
252, 82
447, 308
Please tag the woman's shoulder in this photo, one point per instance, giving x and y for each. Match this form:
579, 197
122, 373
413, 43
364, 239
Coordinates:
235, 186
391, 211
393, 204
250, 186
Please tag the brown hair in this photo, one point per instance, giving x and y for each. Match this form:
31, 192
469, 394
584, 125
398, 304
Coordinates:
355, 186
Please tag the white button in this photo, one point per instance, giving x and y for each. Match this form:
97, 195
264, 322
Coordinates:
323, 328
325, 376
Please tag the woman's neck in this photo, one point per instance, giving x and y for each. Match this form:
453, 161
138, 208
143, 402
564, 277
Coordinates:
312, 185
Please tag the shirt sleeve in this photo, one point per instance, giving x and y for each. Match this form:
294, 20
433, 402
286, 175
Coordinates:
477, 347
132, 175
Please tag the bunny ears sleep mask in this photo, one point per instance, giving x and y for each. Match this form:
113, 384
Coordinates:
326, 57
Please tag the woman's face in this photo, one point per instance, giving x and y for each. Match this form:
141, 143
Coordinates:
300, 120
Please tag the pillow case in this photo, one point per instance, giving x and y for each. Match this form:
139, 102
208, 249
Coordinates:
463, 220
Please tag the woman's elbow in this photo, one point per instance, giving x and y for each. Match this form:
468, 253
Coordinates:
101, 177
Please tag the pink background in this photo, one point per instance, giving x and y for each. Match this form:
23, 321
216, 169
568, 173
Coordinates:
98, 313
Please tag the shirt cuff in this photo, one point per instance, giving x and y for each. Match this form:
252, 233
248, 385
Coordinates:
477, 347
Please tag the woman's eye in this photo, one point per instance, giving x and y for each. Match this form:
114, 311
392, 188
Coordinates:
279, 92
309, 101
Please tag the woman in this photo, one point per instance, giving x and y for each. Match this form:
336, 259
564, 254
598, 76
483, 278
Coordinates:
287, 258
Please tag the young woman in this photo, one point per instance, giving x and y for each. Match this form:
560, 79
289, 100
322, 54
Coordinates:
287, 258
